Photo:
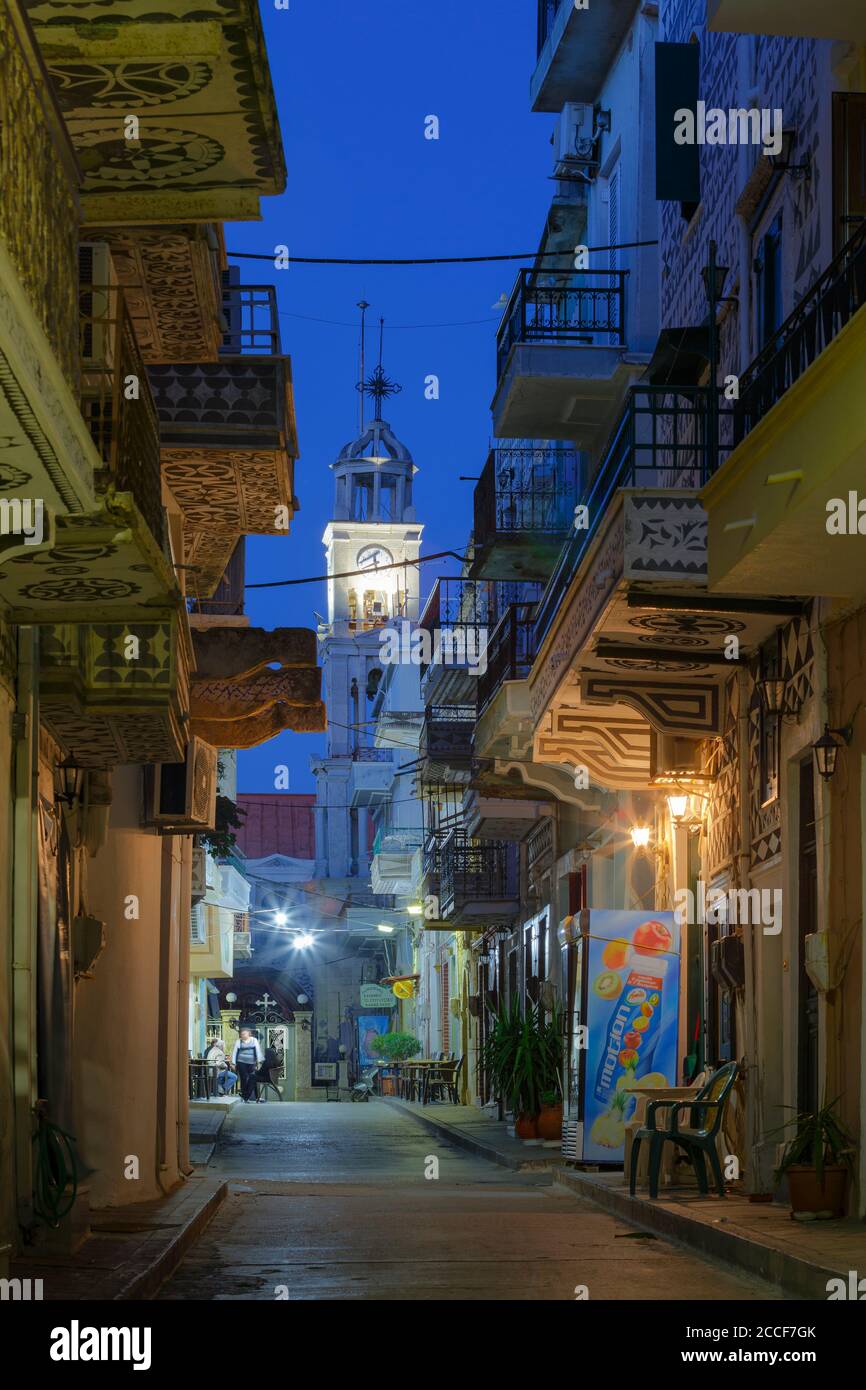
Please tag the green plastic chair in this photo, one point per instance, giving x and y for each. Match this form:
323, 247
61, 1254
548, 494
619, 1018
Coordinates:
698, 1140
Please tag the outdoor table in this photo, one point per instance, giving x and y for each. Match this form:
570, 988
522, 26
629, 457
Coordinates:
202, 1078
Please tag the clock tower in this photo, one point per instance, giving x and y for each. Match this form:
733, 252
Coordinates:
371, 547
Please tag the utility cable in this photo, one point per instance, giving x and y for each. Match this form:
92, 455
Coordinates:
435, 260
351, 574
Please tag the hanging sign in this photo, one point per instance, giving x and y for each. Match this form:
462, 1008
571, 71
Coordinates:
375, 997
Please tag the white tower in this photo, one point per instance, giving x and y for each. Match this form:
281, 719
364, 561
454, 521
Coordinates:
370, 547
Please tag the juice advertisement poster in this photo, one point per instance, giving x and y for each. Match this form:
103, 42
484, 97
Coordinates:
632, 1015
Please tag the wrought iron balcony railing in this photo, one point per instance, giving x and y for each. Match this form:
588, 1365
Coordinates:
587, 311
539, 847
447, 732
822, 313
253, 323
117, 404
39, 215
660, 440
398, 839
474, 871
526, 489
510, 651
372, 755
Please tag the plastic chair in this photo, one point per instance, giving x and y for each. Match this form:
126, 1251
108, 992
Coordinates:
698, 1141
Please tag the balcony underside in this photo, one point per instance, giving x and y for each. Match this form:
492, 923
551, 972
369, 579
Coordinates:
371, 784
769, 537
578, 53
837, 19
562, 391
227, 445
512, 557
610, 742
106, 708
449, 685
467, 914
197, 80
103, 567
171, 287
238, 701
501, 817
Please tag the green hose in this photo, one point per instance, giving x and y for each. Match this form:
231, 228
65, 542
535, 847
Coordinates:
55, 1169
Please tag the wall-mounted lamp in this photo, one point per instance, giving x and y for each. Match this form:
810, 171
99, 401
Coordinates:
384, 927
678, 805
777, 698
781, 162
826, 749
640, 836
415, 909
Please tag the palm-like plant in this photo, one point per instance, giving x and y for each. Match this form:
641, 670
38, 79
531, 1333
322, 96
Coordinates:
819, 1140
523, 1056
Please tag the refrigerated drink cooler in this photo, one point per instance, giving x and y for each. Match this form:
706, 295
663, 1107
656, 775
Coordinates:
622, 988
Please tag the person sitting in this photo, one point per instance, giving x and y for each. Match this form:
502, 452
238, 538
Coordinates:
216, 1057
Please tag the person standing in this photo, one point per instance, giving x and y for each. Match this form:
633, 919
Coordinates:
247, 1056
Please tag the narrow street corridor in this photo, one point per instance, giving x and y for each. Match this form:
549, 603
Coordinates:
332, 1202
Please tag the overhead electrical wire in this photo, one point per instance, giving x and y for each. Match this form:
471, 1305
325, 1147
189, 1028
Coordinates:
434, 260
352, 574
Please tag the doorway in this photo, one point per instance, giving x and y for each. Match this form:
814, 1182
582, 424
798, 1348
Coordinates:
807, 922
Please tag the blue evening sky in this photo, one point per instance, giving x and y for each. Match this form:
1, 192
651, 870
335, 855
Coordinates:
354, 83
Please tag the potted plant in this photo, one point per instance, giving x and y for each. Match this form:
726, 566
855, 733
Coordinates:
500, 1060
397, 1047
816, 1162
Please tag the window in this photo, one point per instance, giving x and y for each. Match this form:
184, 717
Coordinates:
362, 497
388, 497
768, 284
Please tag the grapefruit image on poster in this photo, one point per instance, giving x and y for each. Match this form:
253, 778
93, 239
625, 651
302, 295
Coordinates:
632, 1015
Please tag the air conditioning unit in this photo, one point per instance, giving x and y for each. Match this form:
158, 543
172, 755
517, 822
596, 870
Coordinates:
98, 307
198, 925
205, 873
674, 758
181, 797
574, 142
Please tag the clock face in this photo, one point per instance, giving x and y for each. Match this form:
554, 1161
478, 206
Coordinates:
373, 557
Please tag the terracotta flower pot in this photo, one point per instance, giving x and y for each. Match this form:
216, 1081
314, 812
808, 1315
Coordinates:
807, 1194
526, 1126
550, 1122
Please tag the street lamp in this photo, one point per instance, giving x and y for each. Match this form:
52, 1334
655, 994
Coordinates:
303, 941
281, 919
384, 927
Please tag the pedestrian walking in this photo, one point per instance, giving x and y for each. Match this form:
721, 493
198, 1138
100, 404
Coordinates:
247, 1056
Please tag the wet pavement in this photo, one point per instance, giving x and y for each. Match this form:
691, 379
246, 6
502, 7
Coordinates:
346, 1201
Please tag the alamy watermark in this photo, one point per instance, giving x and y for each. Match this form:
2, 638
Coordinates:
445, 646
739, 906
23, 518
738, 126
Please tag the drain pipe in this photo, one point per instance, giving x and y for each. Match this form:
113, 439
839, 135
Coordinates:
749, 1059
25, 890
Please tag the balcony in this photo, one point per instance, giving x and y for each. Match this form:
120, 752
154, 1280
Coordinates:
800, 451
106, 709
575, 49
446, 742
197, 80
110, 563
456, 618
477, 881
487, 816
395, 865
524, 509
228, 446
45, 450
372, 777
510, 652
838, 19
250, 684
212, 939
659, 443
562, 363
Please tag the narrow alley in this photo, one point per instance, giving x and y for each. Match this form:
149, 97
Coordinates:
331, 1202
